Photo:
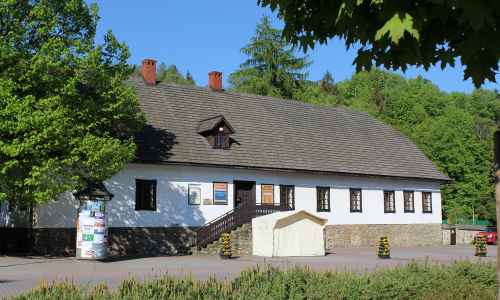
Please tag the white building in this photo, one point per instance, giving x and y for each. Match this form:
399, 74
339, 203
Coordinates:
208, 153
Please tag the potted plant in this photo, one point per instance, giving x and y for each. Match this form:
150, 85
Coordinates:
384, 250
480, 245
226, 252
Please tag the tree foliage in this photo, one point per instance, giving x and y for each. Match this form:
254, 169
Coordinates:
453, 129
66, 114
272, 68
397, 34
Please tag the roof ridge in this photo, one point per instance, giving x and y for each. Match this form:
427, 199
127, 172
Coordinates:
256, 96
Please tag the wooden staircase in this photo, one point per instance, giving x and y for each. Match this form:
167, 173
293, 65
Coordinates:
210, 233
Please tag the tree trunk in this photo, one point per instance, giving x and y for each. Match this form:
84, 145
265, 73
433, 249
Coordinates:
497, 199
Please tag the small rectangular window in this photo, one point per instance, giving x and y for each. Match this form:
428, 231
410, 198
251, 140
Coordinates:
409, 201
267, 194
287, 196
220, 193
145, 194
323, 198
389, 202
427, 202
356, 201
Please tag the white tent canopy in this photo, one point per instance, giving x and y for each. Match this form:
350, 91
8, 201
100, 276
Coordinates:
291, 233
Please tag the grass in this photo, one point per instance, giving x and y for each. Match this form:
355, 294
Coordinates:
461, 280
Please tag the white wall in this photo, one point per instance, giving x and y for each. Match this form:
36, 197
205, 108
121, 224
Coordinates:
173, 208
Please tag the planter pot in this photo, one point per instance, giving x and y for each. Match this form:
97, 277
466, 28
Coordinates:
224, 256
384, 256
481, 254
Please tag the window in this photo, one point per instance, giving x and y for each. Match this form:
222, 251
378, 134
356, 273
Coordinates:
220, 140
323, 198
145, 194
389, 202
426, 202
220, 193
267, 194
409, 201
356, 201
216, 131
287, 196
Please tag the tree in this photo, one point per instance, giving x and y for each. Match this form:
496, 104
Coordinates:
397, 34
443, 125
327, 84
66, 115
272, 67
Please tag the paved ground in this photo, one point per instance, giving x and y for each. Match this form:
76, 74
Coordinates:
18, 274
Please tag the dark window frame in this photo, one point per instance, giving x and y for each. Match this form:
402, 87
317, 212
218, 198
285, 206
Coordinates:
227, 193
219, 140
289, 204
140, 203
320, 202
351, 201
430, 203
408, 192
262, 194
387, 209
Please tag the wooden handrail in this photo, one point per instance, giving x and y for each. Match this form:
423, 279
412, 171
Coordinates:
229, 221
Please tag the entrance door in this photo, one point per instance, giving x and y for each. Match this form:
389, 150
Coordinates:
244, 193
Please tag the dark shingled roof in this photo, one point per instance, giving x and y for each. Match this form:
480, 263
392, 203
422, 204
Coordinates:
273, 133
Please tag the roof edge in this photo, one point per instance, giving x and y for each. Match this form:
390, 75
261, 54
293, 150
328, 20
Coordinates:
440, 180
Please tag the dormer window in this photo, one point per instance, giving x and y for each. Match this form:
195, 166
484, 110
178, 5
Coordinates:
220, 139
216, 131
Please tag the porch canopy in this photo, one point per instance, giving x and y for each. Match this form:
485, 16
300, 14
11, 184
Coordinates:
291, 233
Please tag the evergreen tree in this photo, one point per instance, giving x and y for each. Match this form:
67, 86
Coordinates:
327, 84
272, 68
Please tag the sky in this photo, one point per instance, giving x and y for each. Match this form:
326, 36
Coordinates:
203, 36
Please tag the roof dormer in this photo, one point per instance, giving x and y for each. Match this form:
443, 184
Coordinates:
217, 131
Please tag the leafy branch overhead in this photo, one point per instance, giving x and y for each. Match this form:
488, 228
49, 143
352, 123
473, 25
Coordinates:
398, 34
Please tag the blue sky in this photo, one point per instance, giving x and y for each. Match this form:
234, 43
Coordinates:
201, 36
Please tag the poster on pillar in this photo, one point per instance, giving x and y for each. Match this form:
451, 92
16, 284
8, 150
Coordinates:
91, 236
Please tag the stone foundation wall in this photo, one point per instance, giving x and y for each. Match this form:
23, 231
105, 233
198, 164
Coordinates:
241, 242
151, 240
54, 241
463, 236
123, 241
14, 240
361, 235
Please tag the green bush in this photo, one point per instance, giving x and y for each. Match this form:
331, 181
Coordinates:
461, 280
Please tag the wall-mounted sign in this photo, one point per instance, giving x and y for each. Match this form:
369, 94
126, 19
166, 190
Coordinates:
194, 194
267, 194
220, 193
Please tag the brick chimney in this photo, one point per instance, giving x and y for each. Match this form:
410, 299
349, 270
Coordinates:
215, 81
148, 71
